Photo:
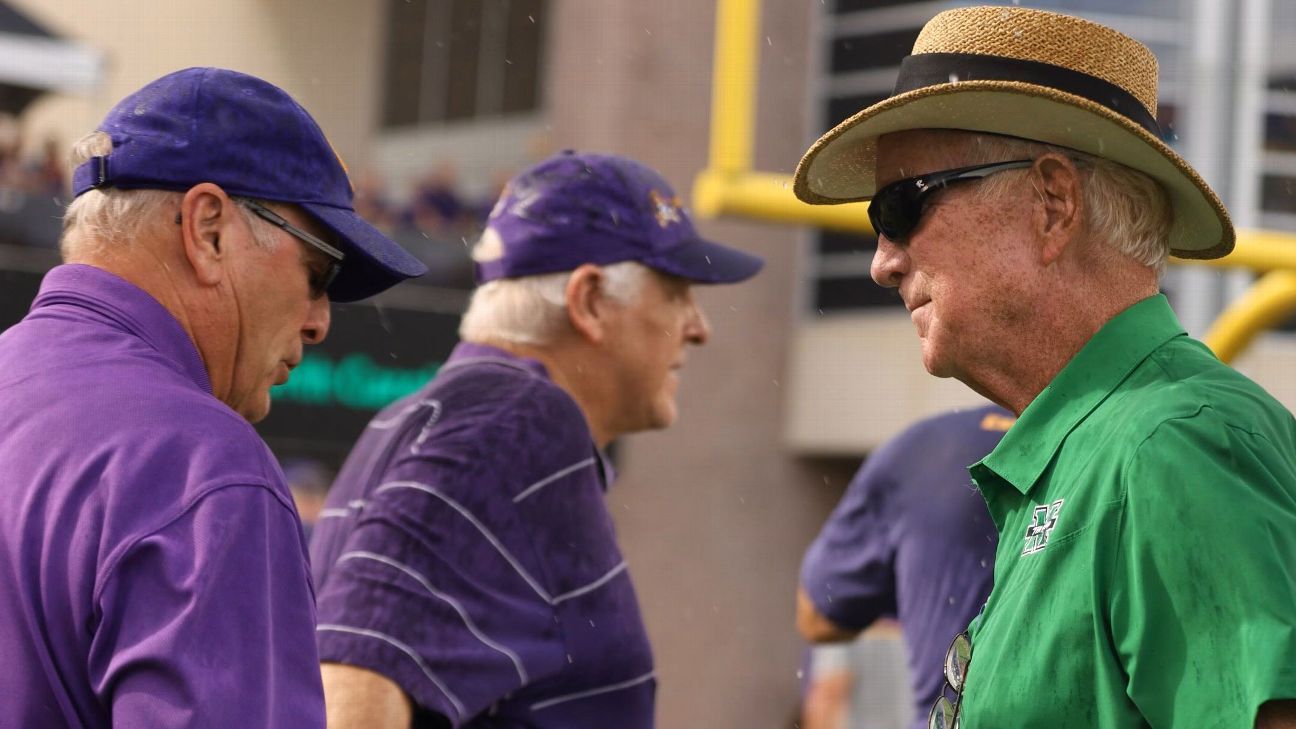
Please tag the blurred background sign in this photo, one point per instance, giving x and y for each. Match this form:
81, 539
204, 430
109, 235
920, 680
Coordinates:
374, 355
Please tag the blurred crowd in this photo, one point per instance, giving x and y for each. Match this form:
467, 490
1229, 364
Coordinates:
33, 187
436, 220
41, 174
436, 205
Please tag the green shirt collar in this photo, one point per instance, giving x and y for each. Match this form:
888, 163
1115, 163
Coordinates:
1097, 370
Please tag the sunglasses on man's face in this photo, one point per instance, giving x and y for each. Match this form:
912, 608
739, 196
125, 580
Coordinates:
897, 208
319, 281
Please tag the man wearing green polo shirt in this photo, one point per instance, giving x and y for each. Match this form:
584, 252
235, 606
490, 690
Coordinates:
1146, 498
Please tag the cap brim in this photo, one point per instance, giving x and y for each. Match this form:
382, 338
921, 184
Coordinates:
841, 166
373, 263
702, 261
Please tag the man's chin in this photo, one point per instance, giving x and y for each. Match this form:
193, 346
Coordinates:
255, 412
659, 418
936, 365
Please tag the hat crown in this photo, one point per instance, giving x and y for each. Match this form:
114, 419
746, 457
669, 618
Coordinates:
1044, 37
217, 125
578, 208
253, 140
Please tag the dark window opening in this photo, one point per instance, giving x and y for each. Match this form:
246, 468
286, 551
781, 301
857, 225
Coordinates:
462, 59
837, 242
864, 52
852, 293
1278, 194
841, 108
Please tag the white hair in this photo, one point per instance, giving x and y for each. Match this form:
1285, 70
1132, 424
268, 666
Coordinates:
1125, 208
112, 217
533, 310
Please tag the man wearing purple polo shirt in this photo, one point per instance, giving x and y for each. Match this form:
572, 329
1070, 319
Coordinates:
152, 568
467, 568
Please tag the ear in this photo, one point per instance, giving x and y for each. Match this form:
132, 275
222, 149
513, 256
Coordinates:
588, 307
1059, 213
206, 213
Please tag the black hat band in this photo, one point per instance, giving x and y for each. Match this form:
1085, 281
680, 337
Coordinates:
932, 69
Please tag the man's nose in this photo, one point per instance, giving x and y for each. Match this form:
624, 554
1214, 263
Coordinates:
697, 330
316, 326
890, 263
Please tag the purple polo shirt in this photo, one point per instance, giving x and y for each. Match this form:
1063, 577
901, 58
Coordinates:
912, 539
467, 554
153, 571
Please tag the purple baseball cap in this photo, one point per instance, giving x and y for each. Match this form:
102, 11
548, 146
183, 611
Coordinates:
573, 209
252, 139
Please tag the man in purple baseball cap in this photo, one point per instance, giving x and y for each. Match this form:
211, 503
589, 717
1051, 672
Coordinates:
467, 569
152, 567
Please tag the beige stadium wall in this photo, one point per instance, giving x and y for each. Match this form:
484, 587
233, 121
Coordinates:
323, 52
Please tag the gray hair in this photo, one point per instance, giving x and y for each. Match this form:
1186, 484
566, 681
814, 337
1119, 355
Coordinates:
1127, 209
111, 217
533, 310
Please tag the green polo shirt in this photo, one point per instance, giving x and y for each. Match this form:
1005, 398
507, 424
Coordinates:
1146, 568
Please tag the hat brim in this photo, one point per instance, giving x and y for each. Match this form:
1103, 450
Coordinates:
373, 263
841, 165
702, 261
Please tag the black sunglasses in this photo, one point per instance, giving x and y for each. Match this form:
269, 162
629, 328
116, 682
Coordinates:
945, 713
897, 208
319, 283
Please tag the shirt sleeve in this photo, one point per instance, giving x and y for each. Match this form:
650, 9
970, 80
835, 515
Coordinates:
208, 622
1204, 597
848, 571
440, 595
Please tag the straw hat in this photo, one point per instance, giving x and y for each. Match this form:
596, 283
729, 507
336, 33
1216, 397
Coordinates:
1030, 74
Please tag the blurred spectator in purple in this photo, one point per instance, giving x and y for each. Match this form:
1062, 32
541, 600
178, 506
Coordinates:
11, 170
374, 204
32, 193
436, 207
47, 174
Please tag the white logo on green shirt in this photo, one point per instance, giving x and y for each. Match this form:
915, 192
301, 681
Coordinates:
1037, 534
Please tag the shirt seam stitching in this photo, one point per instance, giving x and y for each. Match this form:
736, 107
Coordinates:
110, 569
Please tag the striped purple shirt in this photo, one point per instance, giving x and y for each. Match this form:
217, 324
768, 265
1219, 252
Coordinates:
467, 554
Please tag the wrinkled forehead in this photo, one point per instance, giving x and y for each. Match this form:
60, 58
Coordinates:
919, 151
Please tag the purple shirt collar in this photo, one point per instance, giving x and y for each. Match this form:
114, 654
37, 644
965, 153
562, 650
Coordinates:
470, 352
128, 307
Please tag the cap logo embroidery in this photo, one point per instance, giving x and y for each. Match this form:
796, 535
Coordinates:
1042, 523
346, 173
521, 198
667, 209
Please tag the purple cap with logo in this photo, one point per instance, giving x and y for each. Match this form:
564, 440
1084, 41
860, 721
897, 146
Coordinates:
573, 209
252, 139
